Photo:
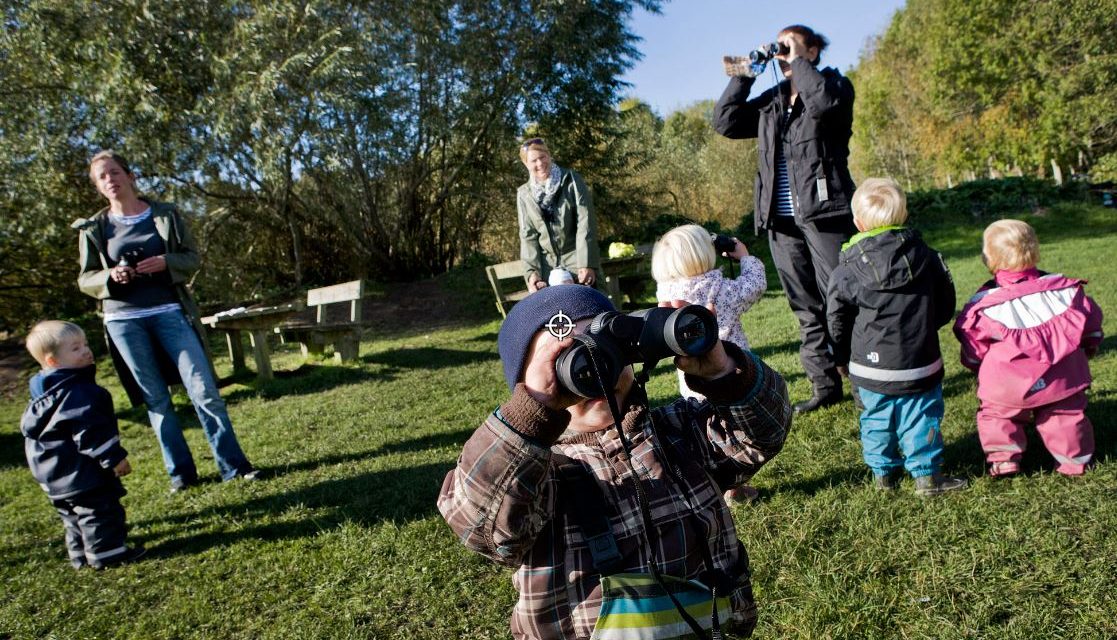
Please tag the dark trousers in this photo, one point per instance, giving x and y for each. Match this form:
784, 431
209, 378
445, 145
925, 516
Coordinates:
805, 256
94, 524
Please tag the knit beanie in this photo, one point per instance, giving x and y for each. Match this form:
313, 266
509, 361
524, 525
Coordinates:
533, 312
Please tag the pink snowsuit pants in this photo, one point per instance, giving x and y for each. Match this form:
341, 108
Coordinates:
1063, 426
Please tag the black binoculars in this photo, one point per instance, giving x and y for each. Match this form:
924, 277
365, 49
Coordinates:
722, 244
616, 340
768, 51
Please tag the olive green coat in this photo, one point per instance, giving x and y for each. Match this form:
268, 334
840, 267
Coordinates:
182, 262
570, 241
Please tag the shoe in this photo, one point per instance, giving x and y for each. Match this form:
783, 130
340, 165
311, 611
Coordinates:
252, 474
935, 484
743, 494
888, 482
817, 402
1004, 469
178, 485
130, 555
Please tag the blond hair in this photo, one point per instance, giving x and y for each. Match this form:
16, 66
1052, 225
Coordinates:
47, 337
530, 144
109, 154
1010, 245
683, 252
879, 202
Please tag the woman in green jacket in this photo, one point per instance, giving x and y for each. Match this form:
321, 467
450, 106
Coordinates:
136, 256
558, 233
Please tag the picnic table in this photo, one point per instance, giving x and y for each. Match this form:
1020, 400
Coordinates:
258, 322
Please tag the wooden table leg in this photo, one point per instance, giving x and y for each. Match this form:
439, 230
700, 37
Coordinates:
261, 353
236, 350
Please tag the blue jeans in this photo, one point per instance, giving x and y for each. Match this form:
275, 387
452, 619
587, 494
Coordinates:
137, 340
908, 424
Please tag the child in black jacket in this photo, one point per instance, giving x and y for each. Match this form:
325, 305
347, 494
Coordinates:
888, 297
73, 446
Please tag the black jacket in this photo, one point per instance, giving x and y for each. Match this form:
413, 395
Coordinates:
815, 140
888, 297
70, 434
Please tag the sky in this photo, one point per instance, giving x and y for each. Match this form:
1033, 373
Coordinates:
683, 45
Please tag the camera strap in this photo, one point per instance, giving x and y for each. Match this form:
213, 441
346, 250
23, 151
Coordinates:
642, 499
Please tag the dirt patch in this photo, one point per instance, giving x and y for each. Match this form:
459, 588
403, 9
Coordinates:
15, 368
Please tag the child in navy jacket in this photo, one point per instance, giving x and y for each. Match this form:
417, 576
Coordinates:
73, 446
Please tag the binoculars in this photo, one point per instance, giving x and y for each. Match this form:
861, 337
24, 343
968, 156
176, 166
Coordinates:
768, 51
592, 367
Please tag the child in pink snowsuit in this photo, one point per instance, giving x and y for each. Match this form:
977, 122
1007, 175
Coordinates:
1028, 335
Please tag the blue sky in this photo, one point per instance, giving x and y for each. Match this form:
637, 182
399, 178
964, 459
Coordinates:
684, 44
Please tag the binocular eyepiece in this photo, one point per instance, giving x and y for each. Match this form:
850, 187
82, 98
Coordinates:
616, 340
768, 51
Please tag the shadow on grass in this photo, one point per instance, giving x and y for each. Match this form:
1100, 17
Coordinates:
308, 379
399, 495
11, 450
849, 475
767, 351
428, 358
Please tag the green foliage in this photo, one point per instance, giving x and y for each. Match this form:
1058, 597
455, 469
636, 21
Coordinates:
344, 540
314, 141
956, 89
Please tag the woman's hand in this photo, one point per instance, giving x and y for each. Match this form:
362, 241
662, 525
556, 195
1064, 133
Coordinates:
587, 276
539, 373
154, 264
795, 45
709, 366
122, 274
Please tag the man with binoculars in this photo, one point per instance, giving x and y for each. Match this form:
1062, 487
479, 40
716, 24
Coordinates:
803, 187
606, 506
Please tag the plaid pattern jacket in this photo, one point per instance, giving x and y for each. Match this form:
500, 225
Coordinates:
507, 500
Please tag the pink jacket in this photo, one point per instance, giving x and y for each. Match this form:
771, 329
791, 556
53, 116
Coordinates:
1025, 333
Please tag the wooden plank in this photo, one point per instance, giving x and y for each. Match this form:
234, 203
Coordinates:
236, 350
343, 292
262, 354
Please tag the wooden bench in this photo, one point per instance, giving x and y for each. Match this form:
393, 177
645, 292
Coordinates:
344, 335
507, 293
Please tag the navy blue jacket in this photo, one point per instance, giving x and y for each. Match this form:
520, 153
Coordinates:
70, 435
888, 297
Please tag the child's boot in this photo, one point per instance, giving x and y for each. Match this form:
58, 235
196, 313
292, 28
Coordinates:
1004, 469
936, 484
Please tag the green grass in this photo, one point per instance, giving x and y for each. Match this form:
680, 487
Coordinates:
344, 540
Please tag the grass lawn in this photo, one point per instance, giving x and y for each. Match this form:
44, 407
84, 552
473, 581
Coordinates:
344, 541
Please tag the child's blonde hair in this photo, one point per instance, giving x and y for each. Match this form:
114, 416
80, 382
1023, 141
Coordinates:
683, 252
47, 337
879, 202
1010, 245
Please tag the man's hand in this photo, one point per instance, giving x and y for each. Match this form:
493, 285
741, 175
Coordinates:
535, 283
539, 373
122, 468
843, 370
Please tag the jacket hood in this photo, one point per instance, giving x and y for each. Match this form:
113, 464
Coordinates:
888, 258
44, 388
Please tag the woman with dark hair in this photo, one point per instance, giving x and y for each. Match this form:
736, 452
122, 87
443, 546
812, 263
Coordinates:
803, 187
558, 233
136, 256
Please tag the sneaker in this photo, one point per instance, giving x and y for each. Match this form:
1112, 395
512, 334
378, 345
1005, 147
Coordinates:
1004, 469
743, 494
178, 485
252, 474
817, 402
933, 485
888, 482
130, 555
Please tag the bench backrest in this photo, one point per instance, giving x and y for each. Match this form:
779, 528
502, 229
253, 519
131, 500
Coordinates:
350, 292
500, 275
